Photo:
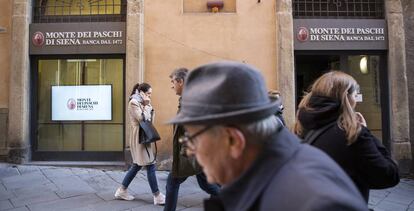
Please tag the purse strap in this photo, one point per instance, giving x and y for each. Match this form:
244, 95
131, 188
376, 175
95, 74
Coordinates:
156, 152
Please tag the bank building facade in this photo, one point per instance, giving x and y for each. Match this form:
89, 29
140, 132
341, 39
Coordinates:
68, 66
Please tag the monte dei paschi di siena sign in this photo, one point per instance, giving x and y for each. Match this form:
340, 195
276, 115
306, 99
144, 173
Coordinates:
340, 34
346, 34
77, 38
83, 38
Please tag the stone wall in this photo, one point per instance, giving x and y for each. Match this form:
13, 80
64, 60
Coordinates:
18, 141
189, 39
397, 75
285, 58
408, 12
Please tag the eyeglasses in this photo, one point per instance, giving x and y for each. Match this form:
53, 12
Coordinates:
188, 140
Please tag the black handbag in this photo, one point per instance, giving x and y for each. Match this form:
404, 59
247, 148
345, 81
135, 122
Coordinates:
148, 134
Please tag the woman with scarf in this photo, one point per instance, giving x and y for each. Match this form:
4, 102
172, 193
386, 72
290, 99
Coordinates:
326, 115
139, 107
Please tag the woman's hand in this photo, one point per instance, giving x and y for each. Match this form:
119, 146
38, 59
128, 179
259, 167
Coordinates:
361, 119
145, 98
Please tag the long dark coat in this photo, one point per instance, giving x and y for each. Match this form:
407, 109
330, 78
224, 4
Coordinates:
366, 160
182, 166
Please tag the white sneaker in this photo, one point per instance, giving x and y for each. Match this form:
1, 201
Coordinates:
160, 199
123, 194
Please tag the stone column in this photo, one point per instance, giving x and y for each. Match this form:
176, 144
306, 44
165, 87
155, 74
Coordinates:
285, 58
408, 11
18, 139
134, 70
397, 73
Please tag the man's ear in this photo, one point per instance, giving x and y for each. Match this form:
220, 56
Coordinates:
237, 142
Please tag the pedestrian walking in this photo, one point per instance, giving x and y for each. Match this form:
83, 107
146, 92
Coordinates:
140, 109
233, 133
183, 166
275, 96
327, 120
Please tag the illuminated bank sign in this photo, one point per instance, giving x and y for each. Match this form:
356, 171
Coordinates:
337, 34
80, 103
79, 38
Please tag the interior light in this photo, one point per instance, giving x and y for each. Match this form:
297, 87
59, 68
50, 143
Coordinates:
81, 60
363, 65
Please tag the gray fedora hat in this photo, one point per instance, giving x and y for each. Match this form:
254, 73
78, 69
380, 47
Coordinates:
224, 93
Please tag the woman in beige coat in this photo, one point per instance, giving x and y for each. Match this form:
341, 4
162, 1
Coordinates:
139, 107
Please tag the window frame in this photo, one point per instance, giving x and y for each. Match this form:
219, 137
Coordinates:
345, 9
69, 155
39, 13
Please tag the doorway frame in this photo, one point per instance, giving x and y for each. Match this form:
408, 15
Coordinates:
383, 82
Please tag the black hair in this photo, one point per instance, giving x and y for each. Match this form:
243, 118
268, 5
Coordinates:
144, 87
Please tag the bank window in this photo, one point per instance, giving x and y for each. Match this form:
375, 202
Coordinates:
373, 9
52, 11
80, 105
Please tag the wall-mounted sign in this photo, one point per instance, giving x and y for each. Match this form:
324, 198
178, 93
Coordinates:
340, 34
77, 38
79, 103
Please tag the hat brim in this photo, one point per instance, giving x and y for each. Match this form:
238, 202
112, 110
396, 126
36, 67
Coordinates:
240, 116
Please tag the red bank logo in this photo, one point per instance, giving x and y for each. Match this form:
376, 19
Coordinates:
303, 34
71, 104
38, 39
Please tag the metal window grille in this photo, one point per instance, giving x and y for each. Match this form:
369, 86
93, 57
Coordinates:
371, 9
59, 11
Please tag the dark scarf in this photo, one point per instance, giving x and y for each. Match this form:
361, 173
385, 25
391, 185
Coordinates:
323, 110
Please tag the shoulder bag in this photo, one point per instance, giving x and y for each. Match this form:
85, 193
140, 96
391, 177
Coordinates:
148, 134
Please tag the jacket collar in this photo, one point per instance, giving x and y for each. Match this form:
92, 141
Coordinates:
246, 190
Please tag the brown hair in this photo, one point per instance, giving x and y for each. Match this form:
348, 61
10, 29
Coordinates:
337, 85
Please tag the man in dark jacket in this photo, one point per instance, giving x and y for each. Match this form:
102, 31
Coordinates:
275, 95
182, 166
240, 144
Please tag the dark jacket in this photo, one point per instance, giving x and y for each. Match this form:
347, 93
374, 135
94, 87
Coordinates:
366, 161
182, 166
290, 176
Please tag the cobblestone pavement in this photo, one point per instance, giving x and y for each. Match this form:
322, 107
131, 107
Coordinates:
44, 188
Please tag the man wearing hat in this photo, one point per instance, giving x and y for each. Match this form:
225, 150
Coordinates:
231, 130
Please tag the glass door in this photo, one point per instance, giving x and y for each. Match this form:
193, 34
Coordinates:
369, 70
366, 70
71, 96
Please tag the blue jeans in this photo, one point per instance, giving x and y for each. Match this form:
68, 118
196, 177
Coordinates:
173, 185
152, 178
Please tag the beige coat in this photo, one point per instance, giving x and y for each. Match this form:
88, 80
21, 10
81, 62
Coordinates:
138, 152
